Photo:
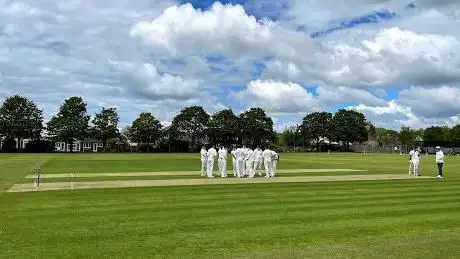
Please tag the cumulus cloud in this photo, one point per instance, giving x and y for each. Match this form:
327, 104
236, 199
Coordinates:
146, 81
277, 97
161, 56
439, 102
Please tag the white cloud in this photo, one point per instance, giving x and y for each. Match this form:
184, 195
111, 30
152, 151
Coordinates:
395, 115
439, 102
159, 54
277, 97
225, 29
148, 82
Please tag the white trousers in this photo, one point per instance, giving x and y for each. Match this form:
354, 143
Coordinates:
415, 167
235, 169
249, 168
222, 167
268, 168
411, 168
210, 167
203, 167
274, 164
240, 167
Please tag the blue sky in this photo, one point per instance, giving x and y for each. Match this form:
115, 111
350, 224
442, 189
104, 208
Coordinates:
397, 62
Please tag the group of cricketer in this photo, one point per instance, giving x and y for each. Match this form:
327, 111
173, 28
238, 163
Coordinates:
414, 161
246, 162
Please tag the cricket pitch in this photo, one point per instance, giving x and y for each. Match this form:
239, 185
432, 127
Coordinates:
29, 187
173, 173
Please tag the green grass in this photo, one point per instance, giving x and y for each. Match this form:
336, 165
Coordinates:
367, 219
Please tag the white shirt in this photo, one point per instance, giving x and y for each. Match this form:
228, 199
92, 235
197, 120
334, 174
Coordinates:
239, 153
222, 153
275, 155
258, 153
415, 157
411, 154
212, 153
203, 154
249, 155
439, 157
267, 154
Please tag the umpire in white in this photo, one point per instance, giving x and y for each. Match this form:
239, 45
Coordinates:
439, 161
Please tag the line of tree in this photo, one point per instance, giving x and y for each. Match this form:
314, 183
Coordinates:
20, 118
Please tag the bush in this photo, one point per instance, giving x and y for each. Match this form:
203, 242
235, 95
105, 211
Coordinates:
9, 146
39, 146
144, 148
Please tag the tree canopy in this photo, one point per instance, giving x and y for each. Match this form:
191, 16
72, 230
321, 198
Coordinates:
256, 128
349, 126
223, 127
191, 125
20, 118
71, 122
145, 129
317, 126
105, 125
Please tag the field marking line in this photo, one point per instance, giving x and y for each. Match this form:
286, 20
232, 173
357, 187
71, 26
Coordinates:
214, 181
174, 173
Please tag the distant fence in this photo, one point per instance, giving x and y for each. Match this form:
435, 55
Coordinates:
379, 149
402, 149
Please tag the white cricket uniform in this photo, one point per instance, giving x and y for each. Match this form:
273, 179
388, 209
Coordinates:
411, 167
234, 163
275, 158
239, 153
415, 160
244, 150
258, 160
212, 153
267, 155
203, 161
223, 162
249, 162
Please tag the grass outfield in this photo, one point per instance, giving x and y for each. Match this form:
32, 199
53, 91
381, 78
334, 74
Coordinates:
417, 218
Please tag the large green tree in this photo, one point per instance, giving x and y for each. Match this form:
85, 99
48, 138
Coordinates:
190, 125
71, 122
256, 128
145, 129
407, 136
20, 118
316, 126
371, 132
105, 125
290, 137
436, 135
386, 136
349, 126
455, 133
223, 127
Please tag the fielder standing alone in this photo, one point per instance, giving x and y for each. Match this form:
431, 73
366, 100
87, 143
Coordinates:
439, 161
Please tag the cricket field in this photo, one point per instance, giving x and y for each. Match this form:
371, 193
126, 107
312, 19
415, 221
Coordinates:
335, 205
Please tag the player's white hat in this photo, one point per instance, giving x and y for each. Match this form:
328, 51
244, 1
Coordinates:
438, 147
